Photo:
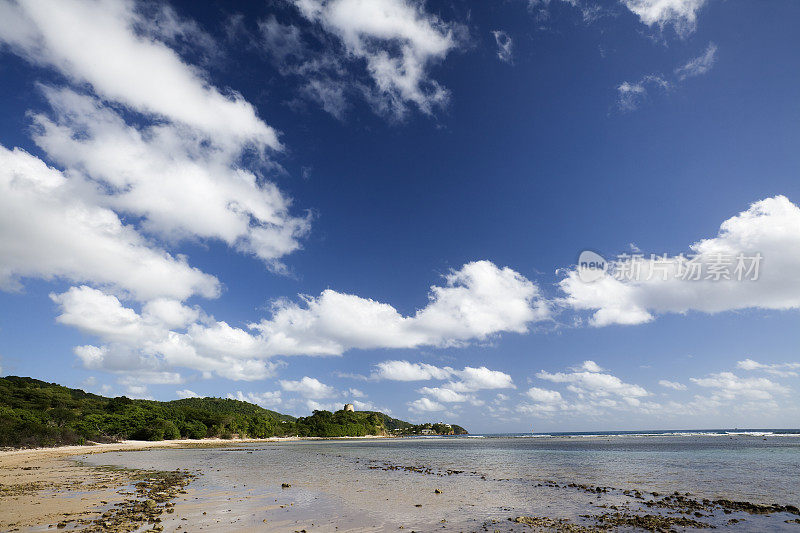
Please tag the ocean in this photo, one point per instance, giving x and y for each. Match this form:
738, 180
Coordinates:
485, 482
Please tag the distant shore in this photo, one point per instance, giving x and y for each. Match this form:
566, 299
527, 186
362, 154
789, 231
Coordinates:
132, 445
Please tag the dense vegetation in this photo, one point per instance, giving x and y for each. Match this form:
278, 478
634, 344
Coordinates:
36, 413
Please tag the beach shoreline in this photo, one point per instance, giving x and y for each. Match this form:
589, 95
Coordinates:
7, 455
36, 484
335, 485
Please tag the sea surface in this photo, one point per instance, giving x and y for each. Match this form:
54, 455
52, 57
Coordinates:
484, 480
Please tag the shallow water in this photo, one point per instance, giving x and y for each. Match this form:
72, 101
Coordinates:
364, 485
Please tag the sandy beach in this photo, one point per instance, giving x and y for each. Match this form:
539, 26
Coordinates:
332, 485
44, 487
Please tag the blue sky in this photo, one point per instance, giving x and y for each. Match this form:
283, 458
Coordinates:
303, 203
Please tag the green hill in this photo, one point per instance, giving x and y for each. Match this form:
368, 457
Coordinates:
36, 413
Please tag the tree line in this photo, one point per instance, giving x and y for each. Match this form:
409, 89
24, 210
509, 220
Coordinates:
35, 413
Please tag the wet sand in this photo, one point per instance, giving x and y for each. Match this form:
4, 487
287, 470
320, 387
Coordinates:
332, 486
45, 487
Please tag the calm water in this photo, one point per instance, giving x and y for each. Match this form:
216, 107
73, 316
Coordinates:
362, 485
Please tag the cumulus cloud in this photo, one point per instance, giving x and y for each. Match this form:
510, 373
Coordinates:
729, 386
505, 46
699, 65
587, 393
397, 40
589, 366
139, 392
543, 395
425, 405
47, 230
674, 385
359, 405
263, 399
186, 393
680, 14
475, 379
178, 185
309, 388
405, 371
111, 46
142, 346
470, 379
768, 232
461, 388
600, 393
595, 384
443, 394
313, 405
476, 302
143, 136
778, 369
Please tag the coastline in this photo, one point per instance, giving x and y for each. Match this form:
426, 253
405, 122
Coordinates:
259, 484
6, 455
38, 485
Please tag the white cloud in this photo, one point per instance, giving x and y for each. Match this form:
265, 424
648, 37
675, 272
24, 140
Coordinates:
729, 386
587, 393
263, 399
770, 227
595, 384
425, 405
470, 379
138, 392
170, 313
282, 41
355, 393
180, 177
309, 388
178, 184
478, 301
681, 14
475, 379
369, 406
590, 366
674, 385
443, 394
463, 382
459, 390
114, 48
779, 369
47, 230
396, 39
314, 405
102, 315
544, 395
143, 346
631, 95
505, 46
405, 371
186, 393
699, 65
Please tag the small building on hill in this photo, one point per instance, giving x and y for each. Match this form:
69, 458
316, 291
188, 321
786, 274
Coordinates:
349, 407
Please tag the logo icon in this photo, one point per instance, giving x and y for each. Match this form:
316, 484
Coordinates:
591, 266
